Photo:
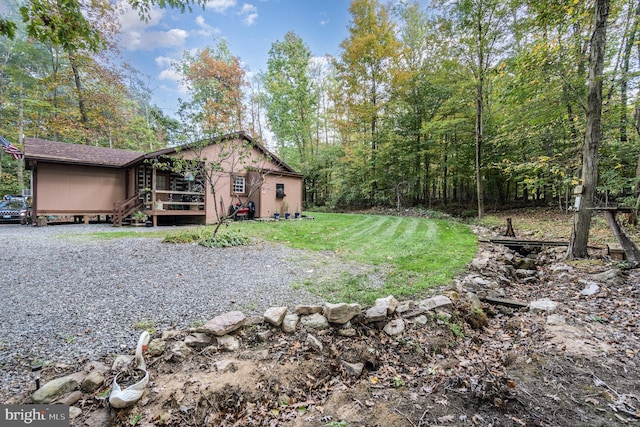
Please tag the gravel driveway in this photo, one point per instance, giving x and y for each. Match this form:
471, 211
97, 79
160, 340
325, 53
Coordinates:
66, 295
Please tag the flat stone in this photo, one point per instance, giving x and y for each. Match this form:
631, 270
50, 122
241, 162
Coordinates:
74, 412
99, 418
611, 277
92, 382
120, 362
480, 263
556, 319
171, 334
198, 340
55, 389
590, 289
228, 343
71, 399
347, 332
405, 306
264, 336
480, 281
290, 323
561, 268
156, 347
96, 366
341, 313
314, 321
433, 303
352, 369
275, 315
178, 352
314, 343
415, 311
395, 327
389, 302
223, 366
543, 305
304, 310
224, 324
376, 313
420, 320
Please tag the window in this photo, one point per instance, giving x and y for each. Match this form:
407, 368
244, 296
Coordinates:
280, 191
238, 185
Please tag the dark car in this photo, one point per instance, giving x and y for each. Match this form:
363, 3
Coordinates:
14, 211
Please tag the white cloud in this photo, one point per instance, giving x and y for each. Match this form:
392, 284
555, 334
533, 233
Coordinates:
164, 61
205, 30
170, 74
324, 19
176, 78
220, 6
150, 40
139, 35
249, 13
130, 20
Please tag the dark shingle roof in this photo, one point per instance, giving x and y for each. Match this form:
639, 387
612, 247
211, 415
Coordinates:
61, 152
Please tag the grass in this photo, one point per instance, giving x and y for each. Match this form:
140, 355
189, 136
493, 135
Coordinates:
414, 253
407, 255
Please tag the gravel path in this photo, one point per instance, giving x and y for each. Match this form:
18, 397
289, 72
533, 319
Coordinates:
67, 296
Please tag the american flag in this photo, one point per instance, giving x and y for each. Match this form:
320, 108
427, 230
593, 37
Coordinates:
11, 149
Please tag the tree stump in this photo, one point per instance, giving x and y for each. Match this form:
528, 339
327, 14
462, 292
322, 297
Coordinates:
510, 232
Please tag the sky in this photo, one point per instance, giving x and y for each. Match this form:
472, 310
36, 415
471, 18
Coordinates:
248, 26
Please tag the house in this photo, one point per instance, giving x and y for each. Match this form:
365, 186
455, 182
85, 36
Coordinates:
171, 186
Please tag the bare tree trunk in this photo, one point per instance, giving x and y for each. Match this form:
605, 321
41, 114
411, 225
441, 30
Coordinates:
479, 140
593, 134
631, 38
84, 117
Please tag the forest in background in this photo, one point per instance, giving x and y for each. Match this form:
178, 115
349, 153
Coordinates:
424, 106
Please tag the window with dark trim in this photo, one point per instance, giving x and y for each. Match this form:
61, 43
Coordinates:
280, 191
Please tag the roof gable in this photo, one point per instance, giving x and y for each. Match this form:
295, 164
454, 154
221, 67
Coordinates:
237, 135
62, 152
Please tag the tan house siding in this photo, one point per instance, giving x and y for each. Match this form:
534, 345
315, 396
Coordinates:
71, 189
270, 203
261, 173
73, 179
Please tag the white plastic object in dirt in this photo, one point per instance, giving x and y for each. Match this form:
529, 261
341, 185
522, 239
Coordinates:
123, 398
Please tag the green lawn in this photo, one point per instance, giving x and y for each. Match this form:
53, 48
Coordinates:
372, 255
413, 254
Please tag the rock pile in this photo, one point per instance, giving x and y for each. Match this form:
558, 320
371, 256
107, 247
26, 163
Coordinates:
219, 335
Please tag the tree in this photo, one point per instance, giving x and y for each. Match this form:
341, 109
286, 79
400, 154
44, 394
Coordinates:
216, 82
480, 26
291, 97
593, 133
418, 93
365, 76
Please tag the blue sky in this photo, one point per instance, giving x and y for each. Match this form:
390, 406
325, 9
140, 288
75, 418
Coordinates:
249, 27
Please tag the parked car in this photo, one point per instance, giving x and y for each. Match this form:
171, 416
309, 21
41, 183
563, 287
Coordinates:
14, 211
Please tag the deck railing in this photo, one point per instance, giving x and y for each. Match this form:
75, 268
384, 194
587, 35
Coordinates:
121, 210
178, 200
